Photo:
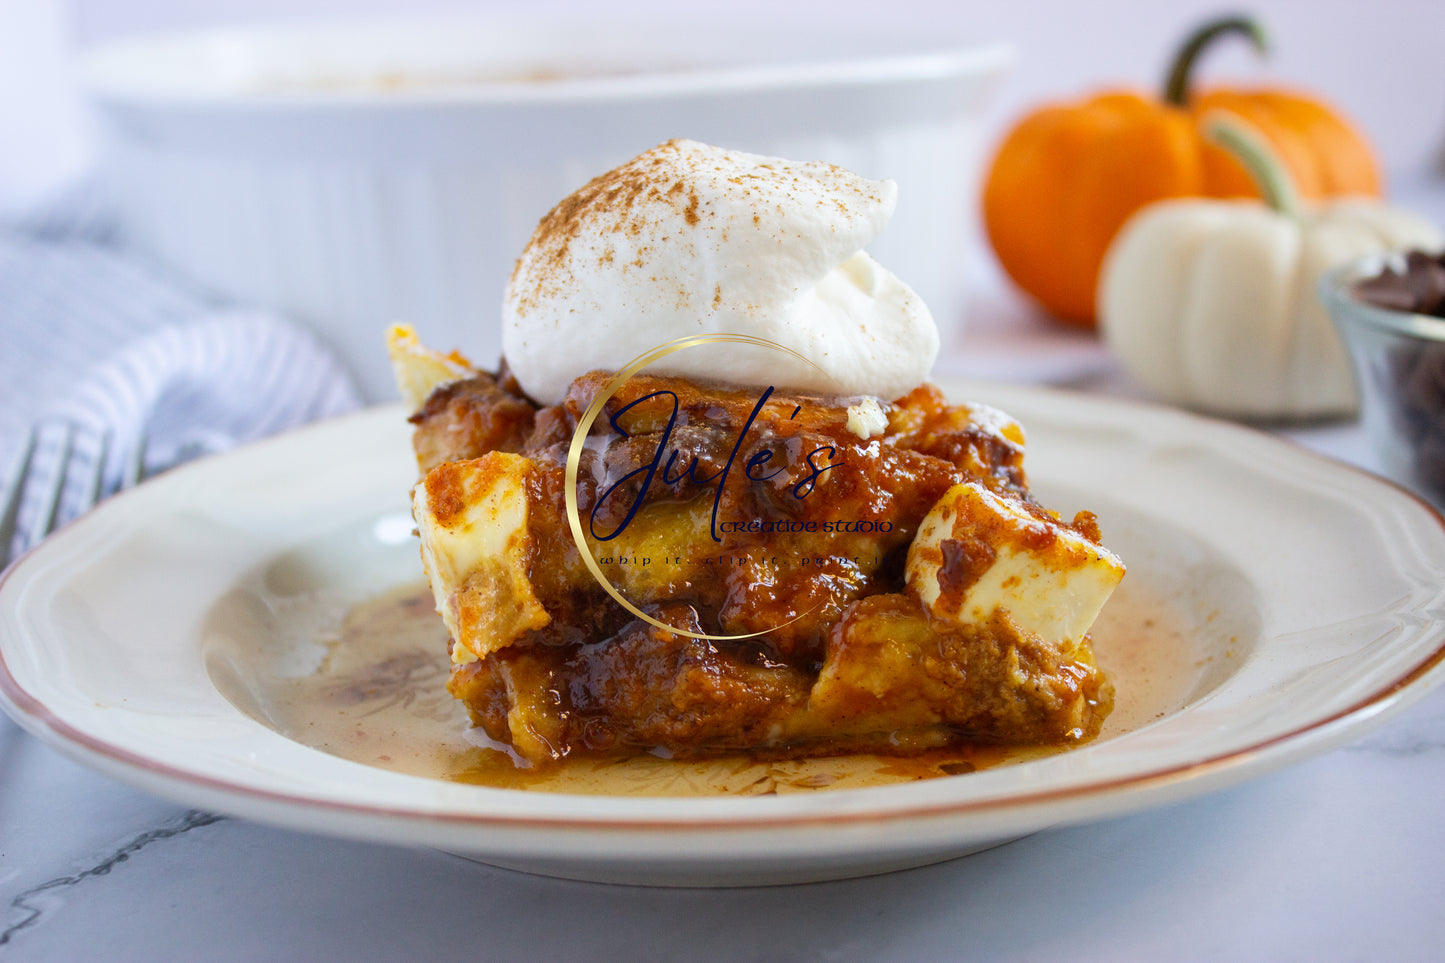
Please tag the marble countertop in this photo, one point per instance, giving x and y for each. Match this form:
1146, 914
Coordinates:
1332, 859
1337, 857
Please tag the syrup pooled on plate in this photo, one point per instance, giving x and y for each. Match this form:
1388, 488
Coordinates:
378, 697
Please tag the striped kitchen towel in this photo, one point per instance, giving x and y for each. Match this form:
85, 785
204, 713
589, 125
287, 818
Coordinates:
92, 336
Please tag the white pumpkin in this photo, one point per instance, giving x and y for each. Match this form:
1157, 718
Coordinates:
1211, 304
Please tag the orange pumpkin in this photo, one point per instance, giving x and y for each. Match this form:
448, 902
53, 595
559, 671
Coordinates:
1068, 176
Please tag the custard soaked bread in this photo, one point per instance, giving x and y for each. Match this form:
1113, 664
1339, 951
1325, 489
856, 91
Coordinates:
895, 585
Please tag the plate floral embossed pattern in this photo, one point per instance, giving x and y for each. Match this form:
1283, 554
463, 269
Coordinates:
1316, 593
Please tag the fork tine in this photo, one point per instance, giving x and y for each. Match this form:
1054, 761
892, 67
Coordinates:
135, 464
51, 504
14, 491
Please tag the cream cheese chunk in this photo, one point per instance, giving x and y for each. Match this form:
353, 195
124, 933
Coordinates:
867, 418
976, 552
472, 518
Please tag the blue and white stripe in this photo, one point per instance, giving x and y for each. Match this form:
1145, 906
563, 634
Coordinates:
92, 336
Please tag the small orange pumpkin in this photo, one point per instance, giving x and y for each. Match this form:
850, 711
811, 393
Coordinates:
1068, 176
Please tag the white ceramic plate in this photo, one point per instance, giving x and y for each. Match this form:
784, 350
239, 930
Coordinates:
1316, 595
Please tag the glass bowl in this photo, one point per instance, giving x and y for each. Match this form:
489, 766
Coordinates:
1399, 363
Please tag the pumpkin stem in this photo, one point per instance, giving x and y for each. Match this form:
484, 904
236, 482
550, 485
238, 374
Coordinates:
1265, 168
1176, 88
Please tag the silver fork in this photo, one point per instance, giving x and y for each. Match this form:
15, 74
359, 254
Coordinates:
50, 486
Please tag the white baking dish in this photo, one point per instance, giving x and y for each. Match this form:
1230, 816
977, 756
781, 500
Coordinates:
355, 175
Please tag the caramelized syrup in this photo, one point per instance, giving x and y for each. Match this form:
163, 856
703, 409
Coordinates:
378, 697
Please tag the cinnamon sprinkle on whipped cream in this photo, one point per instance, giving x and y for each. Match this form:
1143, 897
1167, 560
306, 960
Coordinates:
692, 239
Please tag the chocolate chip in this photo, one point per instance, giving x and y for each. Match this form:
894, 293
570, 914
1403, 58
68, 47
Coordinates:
1419, 289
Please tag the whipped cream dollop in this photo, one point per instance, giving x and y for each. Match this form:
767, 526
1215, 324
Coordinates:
692, 239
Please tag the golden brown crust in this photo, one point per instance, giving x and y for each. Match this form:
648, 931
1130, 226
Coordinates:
468, 418
891, 678
890, 666
847, 659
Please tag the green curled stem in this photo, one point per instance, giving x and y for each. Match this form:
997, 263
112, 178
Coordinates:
1249, 147
1176, 87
